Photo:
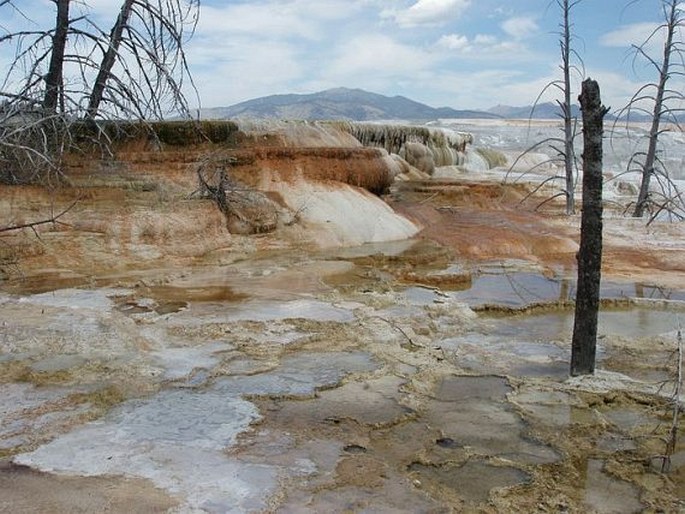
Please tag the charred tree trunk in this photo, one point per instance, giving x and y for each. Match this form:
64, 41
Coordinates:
108, 59
590, 253
54, 77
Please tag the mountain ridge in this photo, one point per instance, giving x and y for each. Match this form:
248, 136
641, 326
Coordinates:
339, 104
356, 104
544, 110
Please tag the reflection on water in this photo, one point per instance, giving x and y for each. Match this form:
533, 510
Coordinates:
558, 325
516, 289
513, 289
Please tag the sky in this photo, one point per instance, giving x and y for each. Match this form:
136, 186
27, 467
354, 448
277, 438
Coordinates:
464, 54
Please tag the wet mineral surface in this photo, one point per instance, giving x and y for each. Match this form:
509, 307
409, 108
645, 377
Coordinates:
152, 362
351, 392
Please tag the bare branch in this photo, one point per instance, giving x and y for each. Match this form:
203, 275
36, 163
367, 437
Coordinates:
52, 219
673, 19
568, 65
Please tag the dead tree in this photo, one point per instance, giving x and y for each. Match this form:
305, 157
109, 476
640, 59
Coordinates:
135, 70
569, 168
663, 100
73, 70
143, 66
246, 210
108, 60
590, 254
563, 147
53, 80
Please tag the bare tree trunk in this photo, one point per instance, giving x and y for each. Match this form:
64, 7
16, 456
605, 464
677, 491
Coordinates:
108, 60
664, 74
54, 78
140, 71
590, 253
566, 108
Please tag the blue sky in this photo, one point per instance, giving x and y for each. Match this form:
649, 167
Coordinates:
457, 53
464, 54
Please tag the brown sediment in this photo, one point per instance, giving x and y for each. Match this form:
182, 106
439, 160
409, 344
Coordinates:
395, 436
25, 490
486, 221
141, 208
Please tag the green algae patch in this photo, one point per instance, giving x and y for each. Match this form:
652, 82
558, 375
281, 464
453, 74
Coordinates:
184, 133
172, 133
101, 399
20, 371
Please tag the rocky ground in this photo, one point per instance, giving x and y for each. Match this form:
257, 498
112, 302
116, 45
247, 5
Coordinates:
152, 362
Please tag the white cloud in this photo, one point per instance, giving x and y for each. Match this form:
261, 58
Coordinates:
235, 71
649, 37
628, 35
484, 40
261, 21
428, 12
521, 90
454, 42
616, 88
476, 89
492, 85
520, 27
381, 55
248, 48
104, 9
483, 46
242, 50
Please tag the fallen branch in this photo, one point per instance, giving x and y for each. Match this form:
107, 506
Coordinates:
400, 330
32, 225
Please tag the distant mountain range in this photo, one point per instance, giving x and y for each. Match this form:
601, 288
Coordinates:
546, 110
551, 110
339, 104
359, 105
